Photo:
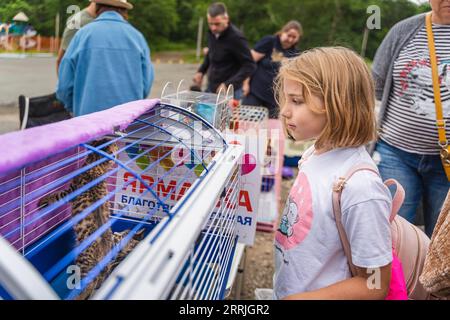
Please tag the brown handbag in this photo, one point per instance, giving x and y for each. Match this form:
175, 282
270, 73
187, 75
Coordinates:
436, 272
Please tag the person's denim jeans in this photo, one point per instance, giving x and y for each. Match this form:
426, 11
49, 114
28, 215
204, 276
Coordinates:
422, 176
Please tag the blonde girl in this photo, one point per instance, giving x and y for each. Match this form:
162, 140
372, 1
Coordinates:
327, 95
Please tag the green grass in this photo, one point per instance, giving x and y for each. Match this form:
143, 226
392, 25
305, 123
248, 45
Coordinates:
184, 51
164, 45
191, 57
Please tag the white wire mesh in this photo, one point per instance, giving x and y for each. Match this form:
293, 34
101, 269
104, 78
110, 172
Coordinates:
205, 270
216, 109
249, 118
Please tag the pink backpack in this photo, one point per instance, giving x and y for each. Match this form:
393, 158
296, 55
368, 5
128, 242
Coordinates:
409, 243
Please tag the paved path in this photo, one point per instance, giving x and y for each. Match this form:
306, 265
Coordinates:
37, 76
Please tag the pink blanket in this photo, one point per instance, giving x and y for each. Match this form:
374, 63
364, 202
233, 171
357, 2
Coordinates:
24, 147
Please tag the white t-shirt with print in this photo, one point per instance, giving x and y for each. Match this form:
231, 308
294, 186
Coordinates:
308, 250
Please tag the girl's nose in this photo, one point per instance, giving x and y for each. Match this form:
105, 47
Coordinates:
285, 112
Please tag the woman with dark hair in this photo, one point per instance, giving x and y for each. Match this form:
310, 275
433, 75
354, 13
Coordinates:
268, 53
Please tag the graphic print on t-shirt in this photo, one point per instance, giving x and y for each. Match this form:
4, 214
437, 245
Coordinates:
289, 218
417, 87
296, 221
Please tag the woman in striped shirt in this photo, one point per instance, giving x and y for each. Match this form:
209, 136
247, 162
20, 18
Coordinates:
408, 148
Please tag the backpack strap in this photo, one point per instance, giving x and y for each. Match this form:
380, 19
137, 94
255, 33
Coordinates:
398, 199
337, 193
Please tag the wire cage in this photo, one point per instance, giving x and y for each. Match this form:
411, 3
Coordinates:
247, 118
214, 108
150, 198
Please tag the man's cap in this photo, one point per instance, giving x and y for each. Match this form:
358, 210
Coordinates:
115, 3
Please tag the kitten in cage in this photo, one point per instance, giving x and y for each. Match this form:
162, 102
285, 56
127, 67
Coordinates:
91, 256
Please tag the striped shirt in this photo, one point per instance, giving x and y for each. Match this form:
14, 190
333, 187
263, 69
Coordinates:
410, 121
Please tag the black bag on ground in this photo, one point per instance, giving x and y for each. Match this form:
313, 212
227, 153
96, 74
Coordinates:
41, 110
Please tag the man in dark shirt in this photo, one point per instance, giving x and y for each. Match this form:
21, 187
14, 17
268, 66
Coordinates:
228, 60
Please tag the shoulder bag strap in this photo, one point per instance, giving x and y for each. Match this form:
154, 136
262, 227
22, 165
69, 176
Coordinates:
440, 122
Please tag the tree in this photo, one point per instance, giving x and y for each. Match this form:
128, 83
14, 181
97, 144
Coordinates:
10, 8
163, 22
156, 19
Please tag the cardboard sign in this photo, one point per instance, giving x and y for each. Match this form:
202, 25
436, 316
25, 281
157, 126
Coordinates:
249, 195
165, 175
169, 171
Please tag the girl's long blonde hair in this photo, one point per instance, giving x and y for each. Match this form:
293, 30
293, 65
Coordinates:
342, 80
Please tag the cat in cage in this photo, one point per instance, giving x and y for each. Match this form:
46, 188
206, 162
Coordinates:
91, 256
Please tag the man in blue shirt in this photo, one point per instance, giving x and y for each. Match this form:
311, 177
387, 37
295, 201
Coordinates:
106, 64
